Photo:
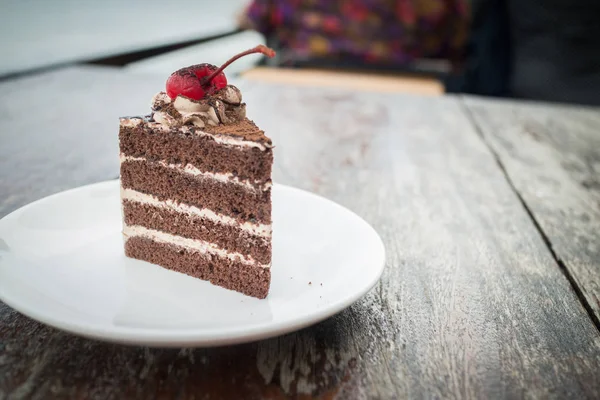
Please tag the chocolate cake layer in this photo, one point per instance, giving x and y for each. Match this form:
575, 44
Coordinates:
203, 152
247, 279
227, 237
221, 197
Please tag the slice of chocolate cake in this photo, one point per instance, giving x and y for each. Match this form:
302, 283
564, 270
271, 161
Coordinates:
196, 183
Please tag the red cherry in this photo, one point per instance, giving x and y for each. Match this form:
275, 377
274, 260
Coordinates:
184, 82
198, 80
188, 82
202, 71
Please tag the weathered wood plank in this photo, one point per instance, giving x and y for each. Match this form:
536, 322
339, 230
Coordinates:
552, 157
471, 305
471, 292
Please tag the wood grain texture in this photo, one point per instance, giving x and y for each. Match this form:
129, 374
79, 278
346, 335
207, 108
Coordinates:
471, 304
552, 157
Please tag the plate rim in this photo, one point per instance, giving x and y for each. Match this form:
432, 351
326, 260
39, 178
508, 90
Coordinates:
196, 337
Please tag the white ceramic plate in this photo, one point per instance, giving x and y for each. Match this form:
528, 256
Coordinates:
62, 263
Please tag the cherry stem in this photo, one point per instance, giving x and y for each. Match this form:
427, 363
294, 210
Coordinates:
258, 49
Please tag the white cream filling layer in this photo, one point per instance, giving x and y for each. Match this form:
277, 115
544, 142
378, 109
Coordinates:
191, 170
197, 245
222, 139
262, 230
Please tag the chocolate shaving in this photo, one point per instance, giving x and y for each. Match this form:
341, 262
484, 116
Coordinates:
245, 129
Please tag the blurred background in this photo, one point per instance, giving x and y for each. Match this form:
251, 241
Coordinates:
546, 50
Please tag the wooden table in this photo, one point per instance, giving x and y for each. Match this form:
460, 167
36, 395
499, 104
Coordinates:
490, 213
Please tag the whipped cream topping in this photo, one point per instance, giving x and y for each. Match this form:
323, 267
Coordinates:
222, 107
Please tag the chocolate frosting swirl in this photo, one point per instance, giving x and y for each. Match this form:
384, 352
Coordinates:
222, 107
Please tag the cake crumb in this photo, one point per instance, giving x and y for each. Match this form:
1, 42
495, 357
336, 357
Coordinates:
310, 283
321, 283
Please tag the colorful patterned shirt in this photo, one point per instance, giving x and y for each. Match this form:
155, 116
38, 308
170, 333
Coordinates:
373, 31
